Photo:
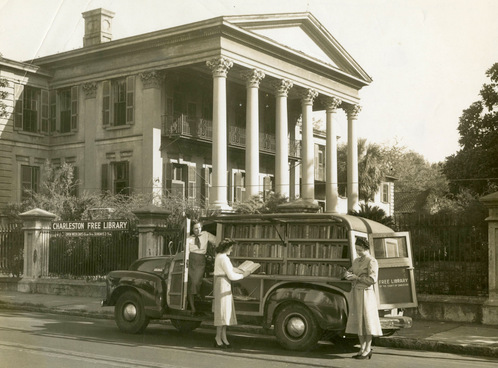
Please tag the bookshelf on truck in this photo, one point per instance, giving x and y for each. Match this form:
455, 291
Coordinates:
298, 290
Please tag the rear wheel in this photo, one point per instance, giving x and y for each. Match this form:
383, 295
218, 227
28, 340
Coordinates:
185, 326
296, 328
129, 313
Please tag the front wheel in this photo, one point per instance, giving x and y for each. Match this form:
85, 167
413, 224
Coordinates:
185, 326
129, 313
296, 328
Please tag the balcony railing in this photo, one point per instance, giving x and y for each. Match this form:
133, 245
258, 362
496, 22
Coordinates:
183, 125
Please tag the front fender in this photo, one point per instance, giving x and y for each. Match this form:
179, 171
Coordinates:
328, 306
151, 287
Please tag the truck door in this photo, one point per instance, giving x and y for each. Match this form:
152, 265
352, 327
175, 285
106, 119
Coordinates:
178, 275
396, 282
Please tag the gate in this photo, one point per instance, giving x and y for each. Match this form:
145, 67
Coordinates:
90, 249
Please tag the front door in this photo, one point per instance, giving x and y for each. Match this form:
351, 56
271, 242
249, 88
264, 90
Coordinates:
178, 276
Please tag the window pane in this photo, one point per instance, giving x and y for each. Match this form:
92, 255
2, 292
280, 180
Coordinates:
390, 248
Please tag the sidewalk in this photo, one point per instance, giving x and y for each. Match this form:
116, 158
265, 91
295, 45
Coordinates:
449, 337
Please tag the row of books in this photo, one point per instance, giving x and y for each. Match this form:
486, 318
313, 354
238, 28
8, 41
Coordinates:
253, 231
316, 269
318, 250
265, 268
318, 231
258, 250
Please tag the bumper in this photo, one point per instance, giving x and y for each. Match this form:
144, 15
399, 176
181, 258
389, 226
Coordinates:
395, 322
104, 303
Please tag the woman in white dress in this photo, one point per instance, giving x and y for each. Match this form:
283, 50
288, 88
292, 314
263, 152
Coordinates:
223, 307
363, 318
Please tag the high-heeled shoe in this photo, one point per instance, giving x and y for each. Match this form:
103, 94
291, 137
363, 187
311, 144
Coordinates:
357, 355
228, 346
220, 346
368, 356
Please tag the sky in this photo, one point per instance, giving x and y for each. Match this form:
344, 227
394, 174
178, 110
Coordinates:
427, 58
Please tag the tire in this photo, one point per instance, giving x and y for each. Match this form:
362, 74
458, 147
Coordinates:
185, 326
296, 328
129, 313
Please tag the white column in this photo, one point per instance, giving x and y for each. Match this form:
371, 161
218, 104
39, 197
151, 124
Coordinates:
253, 78
152, 163
331, 187
353, 186
282, 176
218, 195
308, 153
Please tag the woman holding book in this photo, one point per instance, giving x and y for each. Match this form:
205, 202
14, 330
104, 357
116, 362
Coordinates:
363, 318
223, 306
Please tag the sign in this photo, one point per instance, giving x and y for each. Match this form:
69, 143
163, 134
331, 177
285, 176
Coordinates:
90, 228
394, 285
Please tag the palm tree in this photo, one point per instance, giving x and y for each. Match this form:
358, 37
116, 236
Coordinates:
373, 213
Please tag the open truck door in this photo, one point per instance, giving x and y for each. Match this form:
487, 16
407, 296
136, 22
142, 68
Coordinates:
178, 276
396, 280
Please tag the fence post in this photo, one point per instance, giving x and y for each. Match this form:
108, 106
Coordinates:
36, 224
149, 242
490, 307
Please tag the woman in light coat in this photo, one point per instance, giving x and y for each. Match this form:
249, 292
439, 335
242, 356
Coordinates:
363, 318
223, 307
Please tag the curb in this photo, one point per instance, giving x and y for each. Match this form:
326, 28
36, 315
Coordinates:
398, 342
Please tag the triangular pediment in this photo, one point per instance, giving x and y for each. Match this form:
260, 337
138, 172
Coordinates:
301, 33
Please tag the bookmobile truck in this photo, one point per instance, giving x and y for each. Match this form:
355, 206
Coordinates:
298, 290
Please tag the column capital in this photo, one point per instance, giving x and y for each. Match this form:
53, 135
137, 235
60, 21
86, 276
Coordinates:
152, 79
352, 111
308, 96
219, 66
90, 90
282, 87
253, 77
331, 103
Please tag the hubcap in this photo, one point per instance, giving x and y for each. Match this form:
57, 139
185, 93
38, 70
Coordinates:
295, 327
129, 312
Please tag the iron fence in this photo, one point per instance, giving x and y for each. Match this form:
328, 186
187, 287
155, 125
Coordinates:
11, 250
91, 256
450, 253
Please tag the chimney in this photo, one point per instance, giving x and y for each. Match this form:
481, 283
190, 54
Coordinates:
98, 23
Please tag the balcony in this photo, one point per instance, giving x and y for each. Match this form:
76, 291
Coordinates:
182, 125
185, 126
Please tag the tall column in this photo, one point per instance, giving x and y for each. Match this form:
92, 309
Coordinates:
253, 78
331, 187
282, 176
353, 187
218, 195
308, 153
490, 306
152, 163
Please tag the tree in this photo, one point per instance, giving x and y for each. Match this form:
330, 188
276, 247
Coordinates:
372, 167
373, 213
475, 165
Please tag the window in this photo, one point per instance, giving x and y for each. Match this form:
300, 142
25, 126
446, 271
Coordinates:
31, 112
181, 180
65, 110
30, 181
116, 178
385, 192
118, 102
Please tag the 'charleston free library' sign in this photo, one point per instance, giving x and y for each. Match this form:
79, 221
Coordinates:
90, 228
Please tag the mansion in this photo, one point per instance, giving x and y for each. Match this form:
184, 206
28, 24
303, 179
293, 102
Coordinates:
215, 111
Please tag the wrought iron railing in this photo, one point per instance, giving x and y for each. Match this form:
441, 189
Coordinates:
11, 250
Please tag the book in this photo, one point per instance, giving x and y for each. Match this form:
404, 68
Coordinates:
249, 266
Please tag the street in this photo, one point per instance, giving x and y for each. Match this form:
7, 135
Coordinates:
29, 339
